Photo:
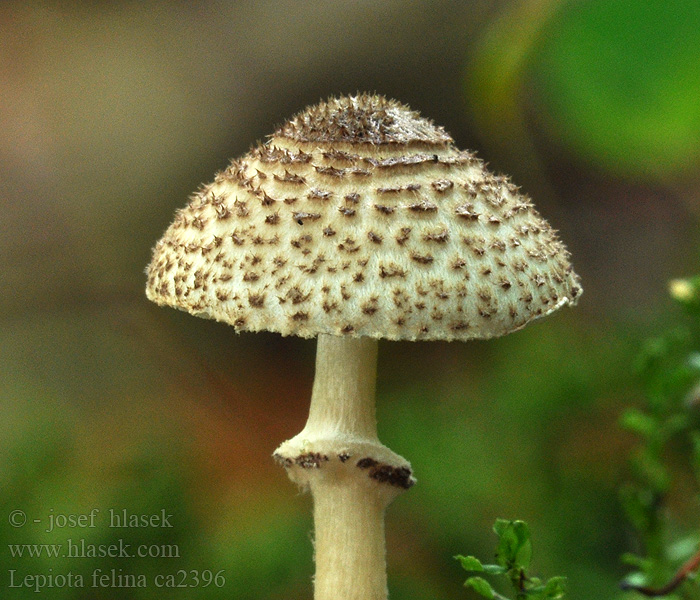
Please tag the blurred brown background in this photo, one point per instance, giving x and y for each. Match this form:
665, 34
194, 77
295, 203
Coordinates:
112, 113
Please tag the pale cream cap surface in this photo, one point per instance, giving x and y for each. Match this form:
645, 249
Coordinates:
359, 217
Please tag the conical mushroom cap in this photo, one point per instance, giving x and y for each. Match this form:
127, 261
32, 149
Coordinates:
359, 217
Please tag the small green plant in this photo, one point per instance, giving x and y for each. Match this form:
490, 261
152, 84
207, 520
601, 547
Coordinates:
513, 553
667, 427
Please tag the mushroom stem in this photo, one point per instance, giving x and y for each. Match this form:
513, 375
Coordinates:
342, 400
349, 542
351, 475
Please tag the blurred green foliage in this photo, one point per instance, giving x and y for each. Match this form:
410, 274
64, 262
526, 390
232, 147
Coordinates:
614, 82
667, 427
619, 81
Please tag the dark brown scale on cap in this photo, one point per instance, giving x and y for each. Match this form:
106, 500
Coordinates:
421, 211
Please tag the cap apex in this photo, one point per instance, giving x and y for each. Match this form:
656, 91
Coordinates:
362, 119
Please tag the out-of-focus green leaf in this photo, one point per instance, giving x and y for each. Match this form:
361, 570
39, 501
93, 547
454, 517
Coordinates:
619, 83
683, 548
495, 569
638, 422
481, 587
470, 563
636, 561
650, 468
514, 545
554, 588
637, 506
636, 579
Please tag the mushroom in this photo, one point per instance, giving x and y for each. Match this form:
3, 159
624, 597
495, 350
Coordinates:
358, 219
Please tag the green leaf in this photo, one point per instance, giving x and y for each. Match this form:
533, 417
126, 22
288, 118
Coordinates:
481, 587
636, 561
651, 471
638, 422
514, 546
635, 580
638, 506
694, 361
683, 548
470, 563
494, 569
555, 588
675, 424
